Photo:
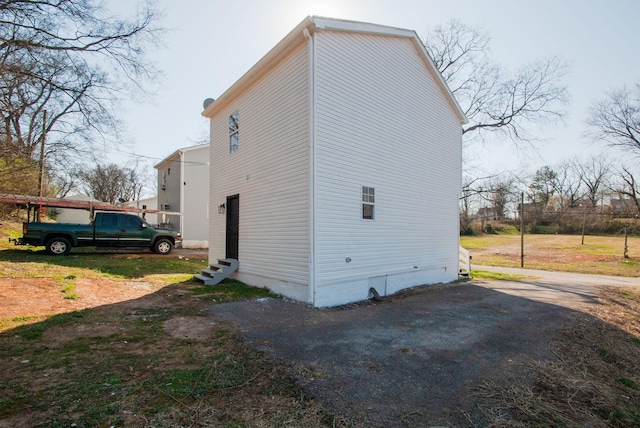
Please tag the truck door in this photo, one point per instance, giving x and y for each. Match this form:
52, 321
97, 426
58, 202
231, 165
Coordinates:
107, 230
133, 232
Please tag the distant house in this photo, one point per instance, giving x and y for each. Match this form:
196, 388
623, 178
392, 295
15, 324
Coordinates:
487, 213
71, 215
336, 166
183, 186
622, 207
530, 209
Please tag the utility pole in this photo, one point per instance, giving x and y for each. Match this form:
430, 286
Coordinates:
41, 164
522, 230
584, 222
626, 242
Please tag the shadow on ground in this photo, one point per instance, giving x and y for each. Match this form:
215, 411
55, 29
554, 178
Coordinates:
410, 360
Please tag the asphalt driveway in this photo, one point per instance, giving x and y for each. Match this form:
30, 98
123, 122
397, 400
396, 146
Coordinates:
414, 359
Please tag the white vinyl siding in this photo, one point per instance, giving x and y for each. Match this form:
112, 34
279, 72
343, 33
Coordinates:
382, 121
170, 196
195, 187
269, 172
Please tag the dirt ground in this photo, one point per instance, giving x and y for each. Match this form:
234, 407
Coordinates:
540, 255
22, 297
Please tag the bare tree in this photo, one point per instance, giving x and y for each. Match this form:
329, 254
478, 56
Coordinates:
569, 184
74, 60
594, 174
466, 205
628, 187
491, 99
112, 183
616, 119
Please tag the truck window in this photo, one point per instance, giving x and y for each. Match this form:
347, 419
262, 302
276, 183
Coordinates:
106, 220
131, 222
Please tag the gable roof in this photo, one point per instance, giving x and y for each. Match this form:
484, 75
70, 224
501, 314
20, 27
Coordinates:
176, 155
312, 24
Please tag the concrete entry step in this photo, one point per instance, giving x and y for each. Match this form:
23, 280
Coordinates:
218, 272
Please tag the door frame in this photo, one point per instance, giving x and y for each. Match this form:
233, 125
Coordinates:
232, 229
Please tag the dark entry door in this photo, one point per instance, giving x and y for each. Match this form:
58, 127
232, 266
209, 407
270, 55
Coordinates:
233, 223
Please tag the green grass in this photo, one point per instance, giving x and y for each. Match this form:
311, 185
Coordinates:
232, 290
487, 275
93, 380
25, 263
35, 331
599, 255
69, 287
130, 363
481, 241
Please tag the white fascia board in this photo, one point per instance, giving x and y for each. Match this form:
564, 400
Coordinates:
178, 152
359, 27
443, 84
194, 148
167, 159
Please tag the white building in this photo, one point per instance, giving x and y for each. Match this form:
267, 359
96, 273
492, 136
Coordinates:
74, 215
183, 186
336, 166
149, 204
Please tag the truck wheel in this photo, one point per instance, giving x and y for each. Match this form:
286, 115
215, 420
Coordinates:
162, 246
58, 246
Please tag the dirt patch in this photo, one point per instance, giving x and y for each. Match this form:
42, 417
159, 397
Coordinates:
193, 328
58, 336
24, 297
542, 255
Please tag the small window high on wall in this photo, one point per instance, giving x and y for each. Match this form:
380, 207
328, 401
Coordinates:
368, 203
233, 132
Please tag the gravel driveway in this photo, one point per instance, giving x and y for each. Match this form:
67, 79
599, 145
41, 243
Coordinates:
415, 359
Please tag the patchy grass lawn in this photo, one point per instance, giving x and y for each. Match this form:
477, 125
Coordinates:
125, 340
602, 255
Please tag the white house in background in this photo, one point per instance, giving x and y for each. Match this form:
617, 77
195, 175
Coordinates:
148, 203
336, 166
183, 186
71, 215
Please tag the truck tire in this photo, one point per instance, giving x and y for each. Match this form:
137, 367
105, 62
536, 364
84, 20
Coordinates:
162, 246
58, 246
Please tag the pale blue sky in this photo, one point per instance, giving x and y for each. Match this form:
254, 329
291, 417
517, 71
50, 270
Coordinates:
213, 43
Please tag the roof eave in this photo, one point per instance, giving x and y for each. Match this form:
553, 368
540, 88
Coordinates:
311, 23
258, 69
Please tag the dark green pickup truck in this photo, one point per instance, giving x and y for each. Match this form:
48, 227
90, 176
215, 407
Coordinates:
106, 230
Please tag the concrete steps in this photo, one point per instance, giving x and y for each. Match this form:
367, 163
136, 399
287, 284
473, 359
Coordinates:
217, 272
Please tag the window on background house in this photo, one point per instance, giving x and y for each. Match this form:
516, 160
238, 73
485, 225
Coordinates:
233, 132
368, 203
